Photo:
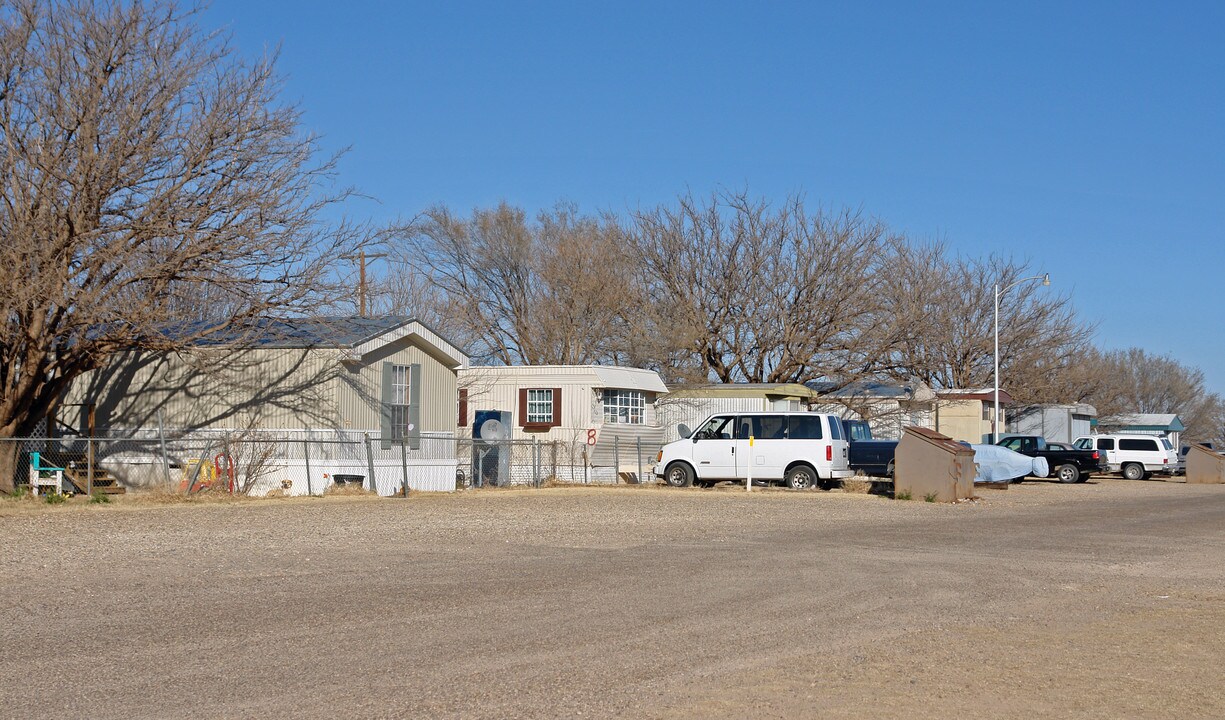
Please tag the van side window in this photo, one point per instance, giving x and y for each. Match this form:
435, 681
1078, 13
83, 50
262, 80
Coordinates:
1134, 444
1105, 443
804, 427
716, 428
835, 429
761, 427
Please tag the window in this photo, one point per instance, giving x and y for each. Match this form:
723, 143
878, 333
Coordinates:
1012, 443
804, 427
717, 428
625, 406
399, 401
761, 427
1105, 443
835, 429
540, 407
1134, 444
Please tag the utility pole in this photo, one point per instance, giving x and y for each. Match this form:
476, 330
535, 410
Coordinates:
361, 257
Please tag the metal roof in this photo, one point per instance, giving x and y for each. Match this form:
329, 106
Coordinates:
778, 390
1168, 422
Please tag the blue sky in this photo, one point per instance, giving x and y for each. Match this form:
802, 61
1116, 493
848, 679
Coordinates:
1087, 137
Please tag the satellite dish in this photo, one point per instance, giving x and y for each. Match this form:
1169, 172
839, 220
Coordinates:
493, 429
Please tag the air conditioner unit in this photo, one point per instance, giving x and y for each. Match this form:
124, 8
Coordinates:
491, 448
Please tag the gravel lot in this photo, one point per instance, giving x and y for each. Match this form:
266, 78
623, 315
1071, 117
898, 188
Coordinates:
1102, 600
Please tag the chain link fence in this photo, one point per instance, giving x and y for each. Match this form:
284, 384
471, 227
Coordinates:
263, 462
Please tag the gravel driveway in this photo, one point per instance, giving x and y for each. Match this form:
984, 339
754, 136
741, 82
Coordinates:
1100, 600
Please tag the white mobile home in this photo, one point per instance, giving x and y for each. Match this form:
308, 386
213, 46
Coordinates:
603, 415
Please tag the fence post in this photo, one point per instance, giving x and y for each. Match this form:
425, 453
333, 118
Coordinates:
404, 466
479, 480
161, 435
370, 464
585, 480
89, 461
306, 453
616, 460
638, 452
536, 461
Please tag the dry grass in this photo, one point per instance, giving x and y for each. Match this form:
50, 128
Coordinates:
858, 485
347, 490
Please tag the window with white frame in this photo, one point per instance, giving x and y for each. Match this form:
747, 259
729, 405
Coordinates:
626, 407
399, 401
539, 406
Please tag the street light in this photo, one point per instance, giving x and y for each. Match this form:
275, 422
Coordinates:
995, 421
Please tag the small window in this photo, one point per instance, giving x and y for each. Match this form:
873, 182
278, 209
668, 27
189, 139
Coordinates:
1135, 444
1105, 443
835, 428
1085, 443
399, 401
1168, 445
625, 406
804, 427
539, 407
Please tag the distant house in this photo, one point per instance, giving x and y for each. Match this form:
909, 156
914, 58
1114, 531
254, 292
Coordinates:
1056, 422
603, 416
887, 407
969, 414
691, 405
392, 379
1167, 424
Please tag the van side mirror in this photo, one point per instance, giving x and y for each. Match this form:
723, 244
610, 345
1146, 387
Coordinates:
683, 430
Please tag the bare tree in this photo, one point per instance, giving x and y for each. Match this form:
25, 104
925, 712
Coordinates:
749, 292
940, 316
1135, 381
552, 291
147, 173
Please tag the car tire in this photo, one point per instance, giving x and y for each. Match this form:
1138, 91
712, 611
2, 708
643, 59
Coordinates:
801, 477
1068, 473
678, 475
889, 470
1133, 471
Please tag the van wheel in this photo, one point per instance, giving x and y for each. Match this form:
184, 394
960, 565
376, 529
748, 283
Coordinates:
1133, 471
678, 475
801, 477
1068, 474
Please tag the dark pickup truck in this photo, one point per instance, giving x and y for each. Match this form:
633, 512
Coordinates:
868, 455
1070, 466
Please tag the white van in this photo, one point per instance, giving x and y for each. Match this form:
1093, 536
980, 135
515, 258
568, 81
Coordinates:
1136, 456
801, 448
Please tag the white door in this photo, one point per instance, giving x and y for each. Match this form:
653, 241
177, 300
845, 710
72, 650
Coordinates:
714, 449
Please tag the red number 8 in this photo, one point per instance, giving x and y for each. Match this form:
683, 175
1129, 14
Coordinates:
591, 436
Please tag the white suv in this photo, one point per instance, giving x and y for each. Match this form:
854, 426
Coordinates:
1136, 456
803, 449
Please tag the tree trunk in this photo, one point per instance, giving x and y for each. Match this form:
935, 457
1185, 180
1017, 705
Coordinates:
8, 465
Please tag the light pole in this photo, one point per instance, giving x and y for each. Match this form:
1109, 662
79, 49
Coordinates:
995, 421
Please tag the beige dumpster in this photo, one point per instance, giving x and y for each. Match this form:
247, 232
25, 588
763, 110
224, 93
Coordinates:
1205, 466
929, 464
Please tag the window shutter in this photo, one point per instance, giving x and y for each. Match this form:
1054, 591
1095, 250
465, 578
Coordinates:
385, 407
556, 407
522, 408
414, 406
462, 420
